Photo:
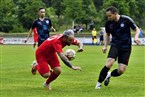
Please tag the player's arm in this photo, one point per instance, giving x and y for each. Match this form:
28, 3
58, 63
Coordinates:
137, 30
53, 29
29, 33
80, 46
31, 30
136, 37
106, 41
51, 26
67, 62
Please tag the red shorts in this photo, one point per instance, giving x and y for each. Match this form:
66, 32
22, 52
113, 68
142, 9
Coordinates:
46, 63
35, 38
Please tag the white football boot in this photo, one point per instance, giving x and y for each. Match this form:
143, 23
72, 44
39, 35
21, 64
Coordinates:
33, 70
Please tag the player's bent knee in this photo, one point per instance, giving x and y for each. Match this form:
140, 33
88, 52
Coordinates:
109, 62
46, 75
121, 71
57, 70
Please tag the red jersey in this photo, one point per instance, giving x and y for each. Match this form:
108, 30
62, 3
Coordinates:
35, 35
52, 45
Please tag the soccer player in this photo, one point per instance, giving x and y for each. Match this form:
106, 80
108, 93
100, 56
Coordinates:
43, 26
119, 27
102, 36
35, 37
94, 36
46, 56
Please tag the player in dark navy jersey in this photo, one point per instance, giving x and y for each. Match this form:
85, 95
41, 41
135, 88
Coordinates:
43, 26
119, 27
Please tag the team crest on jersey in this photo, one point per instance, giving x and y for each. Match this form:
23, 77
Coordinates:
47, 22
122, 25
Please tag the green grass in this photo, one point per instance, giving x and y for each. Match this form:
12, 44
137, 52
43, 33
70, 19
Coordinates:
17, 81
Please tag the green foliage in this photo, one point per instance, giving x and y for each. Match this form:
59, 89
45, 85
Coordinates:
122, 5
58, 6
89, 12
27, 12
73, 10
19, 14
7, 16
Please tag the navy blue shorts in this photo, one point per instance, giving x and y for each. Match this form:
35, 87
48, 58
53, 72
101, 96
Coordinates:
122, 55
40, 42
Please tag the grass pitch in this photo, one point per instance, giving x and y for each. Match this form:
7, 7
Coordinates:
17, 81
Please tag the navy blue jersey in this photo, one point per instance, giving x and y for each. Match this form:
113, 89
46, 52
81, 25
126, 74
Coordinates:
121, 32
43, 28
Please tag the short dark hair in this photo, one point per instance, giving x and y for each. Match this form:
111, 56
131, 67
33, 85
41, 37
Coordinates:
40, 8
112, 9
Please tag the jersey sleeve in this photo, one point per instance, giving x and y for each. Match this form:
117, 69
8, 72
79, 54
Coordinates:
50, 23
75, 42
107, 30
132, 23
34, 25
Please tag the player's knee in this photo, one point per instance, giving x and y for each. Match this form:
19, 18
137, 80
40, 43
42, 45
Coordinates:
121, 68
58, 71
110, 62
121, 71
46, 75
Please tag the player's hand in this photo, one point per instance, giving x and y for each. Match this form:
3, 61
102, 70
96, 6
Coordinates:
54, 30
137, 41
76, 68
104, 49
80, 50
25, 40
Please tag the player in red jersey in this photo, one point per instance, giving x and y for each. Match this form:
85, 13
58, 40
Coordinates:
35, 37
46, 56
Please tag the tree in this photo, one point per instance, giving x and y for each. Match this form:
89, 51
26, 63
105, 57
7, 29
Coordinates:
73, 10
7, 17
59, 6
89, 12
28, 11
133, 8
122, 5
140, 13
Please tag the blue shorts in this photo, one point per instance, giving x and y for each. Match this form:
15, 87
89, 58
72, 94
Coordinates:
122, 55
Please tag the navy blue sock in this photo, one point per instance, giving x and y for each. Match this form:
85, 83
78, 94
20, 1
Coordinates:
115, 73
103, 74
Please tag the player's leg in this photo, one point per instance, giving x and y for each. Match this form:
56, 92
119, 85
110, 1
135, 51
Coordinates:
35, 40
113, 53
34, 67
44, 71
55, 65
34, 44
104, 72
92, 40
40, 42
123, 59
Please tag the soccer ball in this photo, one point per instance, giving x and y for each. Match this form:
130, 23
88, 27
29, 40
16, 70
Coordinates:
70, 54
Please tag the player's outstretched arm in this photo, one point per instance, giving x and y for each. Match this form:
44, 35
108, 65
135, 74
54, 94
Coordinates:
53, 29
29, 33
106, 40
67, 62
80, 46
136, 40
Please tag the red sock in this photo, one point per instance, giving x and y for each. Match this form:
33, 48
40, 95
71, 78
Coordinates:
52, 77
